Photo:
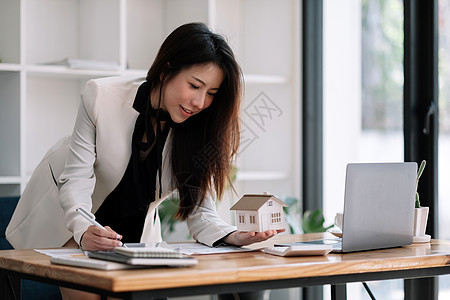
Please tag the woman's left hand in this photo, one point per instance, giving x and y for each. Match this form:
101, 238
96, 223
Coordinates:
242, 238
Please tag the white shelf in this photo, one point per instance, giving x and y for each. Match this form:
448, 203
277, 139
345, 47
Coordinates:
10, 67
65, 71
10, 180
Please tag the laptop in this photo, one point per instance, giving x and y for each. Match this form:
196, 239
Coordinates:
378, 207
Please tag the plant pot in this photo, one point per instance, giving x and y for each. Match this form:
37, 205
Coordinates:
420, 223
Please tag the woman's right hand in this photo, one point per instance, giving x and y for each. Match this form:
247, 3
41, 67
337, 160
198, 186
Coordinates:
95, 239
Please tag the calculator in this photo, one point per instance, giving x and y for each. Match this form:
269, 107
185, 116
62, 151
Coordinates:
299, 250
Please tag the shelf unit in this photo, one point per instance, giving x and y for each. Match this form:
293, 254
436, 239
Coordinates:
38, 102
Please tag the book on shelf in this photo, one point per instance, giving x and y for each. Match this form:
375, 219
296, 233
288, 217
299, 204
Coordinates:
86, 64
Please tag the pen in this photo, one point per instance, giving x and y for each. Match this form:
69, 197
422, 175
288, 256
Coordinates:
83, 213
88, 217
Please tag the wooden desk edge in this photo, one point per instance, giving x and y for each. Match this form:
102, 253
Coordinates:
230, 268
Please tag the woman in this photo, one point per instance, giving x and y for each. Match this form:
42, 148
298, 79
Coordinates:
134, 143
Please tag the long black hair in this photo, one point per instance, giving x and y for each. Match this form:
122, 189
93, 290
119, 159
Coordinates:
202, 146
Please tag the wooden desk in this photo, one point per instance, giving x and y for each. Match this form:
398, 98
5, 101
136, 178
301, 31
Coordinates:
237, 272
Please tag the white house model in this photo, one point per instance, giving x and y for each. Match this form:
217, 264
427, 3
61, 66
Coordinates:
259, 213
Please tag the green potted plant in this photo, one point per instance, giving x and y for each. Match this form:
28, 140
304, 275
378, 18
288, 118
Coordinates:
313, 221
420, 212
419, 173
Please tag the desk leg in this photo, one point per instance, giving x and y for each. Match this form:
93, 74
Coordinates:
312, 292
339, 292
9, 287
421, 288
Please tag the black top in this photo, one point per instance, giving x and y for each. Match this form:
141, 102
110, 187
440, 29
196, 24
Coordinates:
125, 208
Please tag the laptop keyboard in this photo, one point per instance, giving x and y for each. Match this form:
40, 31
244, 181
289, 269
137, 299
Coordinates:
336, 243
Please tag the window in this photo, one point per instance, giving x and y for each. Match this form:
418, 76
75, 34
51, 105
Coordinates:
275, 218
241, 219
270, 203
253, 219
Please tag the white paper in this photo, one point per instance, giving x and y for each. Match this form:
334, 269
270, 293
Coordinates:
198, 248
60, 252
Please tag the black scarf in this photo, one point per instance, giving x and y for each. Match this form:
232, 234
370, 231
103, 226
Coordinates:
153, 162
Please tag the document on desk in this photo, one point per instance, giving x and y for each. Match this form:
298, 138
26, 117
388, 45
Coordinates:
77, 258
61, 252
193, 248
58, 252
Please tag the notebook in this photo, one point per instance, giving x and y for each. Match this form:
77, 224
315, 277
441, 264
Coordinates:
149, 252
378, 207
143, 261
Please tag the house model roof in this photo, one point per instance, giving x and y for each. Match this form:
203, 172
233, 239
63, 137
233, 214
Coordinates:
254, 201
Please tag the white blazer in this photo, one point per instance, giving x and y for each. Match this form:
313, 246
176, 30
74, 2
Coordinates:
81, 171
